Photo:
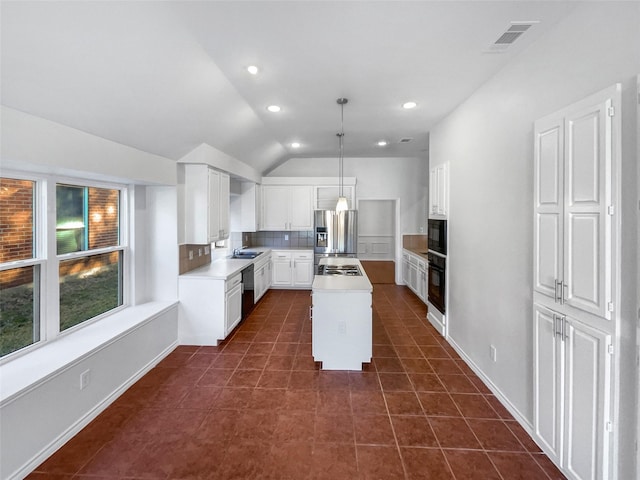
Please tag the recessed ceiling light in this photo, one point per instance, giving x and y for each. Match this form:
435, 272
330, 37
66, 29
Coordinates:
382, 143
295, 145
253, 70
409, 105
274, 108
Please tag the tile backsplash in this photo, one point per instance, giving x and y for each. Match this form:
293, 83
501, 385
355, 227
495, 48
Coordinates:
186, 265
302, 239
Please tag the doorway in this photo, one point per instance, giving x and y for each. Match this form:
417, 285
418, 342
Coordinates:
377, 238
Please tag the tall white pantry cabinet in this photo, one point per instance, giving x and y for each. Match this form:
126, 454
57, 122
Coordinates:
576, 155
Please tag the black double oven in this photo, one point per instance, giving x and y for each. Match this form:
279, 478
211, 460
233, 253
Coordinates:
437, 255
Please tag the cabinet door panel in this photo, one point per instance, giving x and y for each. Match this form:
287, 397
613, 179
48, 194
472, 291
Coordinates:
224, 194
233, 308
547, 252
547, 375
282, 274
587, 377
301, 208
303, 271
214, 205
588, 194
584, 156
584, 282
549, 165
275, 205
548, 228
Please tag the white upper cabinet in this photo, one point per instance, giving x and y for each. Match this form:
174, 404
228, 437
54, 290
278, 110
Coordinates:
287, 207
245, 208
574, 206
438, 190
224, 195
206, 196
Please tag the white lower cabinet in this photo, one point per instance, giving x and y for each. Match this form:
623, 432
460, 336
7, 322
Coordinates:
414, 274
209, 309
232, 303
292, 268
571, 417
422, 280
262, 278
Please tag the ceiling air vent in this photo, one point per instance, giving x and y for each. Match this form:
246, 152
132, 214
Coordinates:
515, 31
405, 140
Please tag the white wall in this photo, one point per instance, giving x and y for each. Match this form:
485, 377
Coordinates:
377, 178
488, 142
30, 142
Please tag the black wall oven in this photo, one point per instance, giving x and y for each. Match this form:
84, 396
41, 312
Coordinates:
437, 235
436, 290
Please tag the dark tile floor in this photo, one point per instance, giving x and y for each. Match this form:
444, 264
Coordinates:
258, 407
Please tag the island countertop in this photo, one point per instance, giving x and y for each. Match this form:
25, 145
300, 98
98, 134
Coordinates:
341, 283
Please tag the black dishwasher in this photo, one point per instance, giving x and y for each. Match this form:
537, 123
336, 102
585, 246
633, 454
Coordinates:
247, 291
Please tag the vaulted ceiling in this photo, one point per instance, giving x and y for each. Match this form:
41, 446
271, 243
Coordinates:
167, 76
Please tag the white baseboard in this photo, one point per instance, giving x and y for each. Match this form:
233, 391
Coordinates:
520, 418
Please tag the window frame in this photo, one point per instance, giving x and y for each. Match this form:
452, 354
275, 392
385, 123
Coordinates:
48, 261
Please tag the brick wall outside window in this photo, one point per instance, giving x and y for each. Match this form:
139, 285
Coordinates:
103, 217
16, 228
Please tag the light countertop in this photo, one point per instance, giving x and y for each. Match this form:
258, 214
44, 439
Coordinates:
225, 268
341, 283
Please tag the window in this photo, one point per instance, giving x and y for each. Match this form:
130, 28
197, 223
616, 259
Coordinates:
19, 270
88, 247
88, 256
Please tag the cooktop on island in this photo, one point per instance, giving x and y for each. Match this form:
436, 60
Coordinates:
348, 270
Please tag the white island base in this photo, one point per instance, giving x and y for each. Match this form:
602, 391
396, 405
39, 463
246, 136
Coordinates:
341, 331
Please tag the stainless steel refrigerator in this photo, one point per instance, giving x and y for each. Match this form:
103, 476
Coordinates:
335, 234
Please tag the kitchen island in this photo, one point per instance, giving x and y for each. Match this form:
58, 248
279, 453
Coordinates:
341, 332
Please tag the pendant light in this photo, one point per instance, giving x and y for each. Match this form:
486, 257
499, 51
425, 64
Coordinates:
342, 204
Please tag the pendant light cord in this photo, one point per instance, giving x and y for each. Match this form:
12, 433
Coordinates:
341, 102
342, 149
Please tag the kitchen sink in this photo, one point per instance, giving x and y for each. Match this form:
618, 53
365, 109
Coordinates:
245, 255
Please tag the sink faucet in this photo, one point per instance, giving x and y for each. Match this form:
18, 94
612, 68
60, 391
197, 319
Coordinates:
236, 251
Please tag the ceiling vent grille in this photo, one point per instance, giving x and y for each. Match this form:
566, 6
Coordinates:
405, 140
508, 37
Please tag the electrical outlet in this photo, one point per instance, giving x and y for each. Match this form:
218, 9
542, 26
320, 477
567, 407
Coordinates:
286, 237
199, 252
85, 379
206, 250
190, 254
493, 353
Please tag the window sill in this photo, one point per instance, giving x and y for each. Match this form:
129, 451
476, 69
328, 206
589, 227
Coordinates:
31, 369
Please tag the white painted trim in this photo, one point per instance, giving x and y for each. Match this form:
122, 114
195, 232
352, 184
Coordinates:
397, 234
314, 181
